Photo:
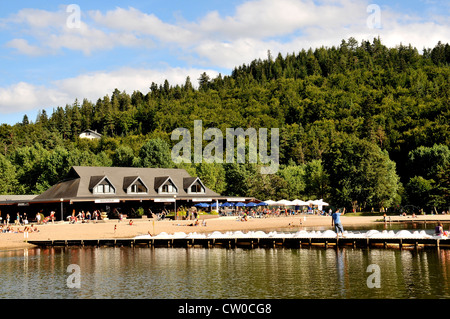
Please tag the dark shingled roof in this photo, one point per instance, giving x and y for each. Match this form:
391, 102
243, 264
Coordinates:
64, 189
82, 179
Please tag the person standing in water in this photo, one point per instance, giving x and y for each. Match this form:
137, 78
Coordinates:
336, 222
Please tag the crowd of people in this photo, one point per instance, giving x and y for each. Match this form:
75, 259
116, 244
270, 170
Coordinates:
17, 229
20, 225
260, 212
22, 220
84, 217
39, 218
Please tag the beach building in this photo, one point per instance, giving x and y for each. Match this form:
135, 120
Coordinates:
117, 190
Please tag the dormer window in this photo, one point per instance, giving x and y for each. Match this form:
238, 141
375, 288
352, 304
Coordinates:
168, 188
197, 189
194, 185
134, 185
165, 185
101, 185
138, 189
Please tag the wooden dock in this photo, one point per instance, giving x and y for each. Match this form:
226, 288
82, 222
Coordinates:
280, 242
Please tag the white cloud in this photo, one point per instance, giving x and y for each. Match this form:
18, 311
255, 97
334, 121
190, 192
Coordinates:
284, 26
397, 29
137, 22
87, 40
224, 41
38, 19
23, 47
25, 96
265, 18
54, 31
232, 54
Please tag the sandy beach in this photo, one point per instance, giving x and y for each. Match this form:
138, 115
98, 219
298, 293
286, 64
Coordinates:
116, 229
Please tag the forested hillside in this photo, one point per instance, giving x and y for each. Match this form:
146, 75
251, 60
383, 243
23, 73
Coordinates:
360, 124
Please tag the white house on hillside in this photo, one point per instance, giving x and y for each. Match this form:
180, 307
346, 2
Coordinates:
90, 134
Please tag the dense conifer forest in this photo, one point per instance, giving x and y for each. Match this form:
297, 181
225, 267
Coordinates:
361, 125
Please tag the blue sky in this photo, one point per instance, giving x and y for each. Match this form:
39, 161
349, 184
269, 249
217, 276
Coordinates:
53, 52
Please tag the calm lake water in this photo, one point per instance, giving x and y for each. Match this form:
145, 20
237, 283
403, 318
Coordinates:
219, 273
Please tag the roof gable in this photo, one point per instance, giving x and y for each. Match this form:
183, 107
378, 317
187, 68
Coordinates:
95, 180
129, 181
160, 180
188, 182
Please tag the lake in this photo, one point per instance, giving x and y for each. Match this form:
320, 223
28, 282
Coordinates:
220, 273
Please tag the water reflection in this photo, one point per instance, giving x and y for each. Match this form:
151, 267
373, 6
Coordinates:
224, 273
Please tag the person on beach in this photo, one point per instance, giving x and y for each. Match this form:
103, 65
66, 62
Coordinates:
336, 222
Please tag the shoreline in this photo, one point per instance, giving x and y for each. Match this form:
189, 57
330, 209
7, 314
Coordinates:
113, 229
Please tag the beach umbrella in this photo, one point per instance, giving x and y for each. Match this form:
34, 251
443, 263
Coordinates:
213, 205
262, 204
251, 204
309, 202
316, 202
240, 204
298, 202
227, 204
283, 202
201, 205
320, 203
269, 202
